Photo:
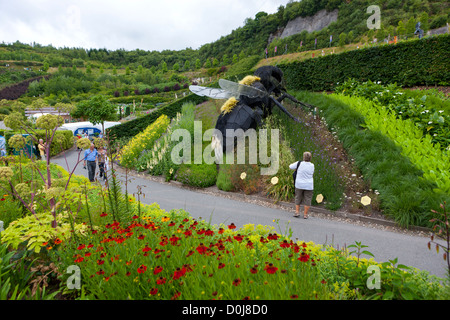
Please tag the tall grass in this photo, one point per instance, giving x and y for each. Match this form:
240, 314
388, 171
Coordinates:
404, 194
300, 138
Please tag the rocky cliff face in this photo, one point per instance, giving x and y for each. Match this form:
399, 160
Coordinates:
320, 20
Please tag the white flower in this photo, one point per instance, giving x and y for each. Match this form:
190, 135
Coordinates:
243, 175
274, 180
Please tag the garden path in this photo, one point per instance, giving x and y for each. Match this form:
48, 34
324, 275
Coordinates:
385, 244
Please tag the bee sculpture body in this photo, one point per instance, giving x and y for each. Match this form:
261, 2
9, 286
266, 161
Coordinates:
249, 102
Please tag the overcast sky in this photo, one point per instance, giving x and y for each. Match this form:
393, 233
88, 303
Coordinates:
128, 24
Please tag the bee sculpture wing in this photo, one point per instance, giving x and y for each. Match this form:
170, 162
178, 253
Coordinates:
237, 89
213, 93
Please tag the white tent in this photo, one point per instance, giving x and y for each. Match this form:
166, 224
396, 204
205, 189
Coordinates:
85, 125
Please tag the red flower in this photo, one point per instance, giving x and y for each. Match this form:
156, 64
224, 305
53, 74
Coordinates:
272, 236
270, 268
304, 257
146, 248
176, 295
157, 270
81, 247
221, 265
87, 254
173, 240
89, 246
285, 244
236, 282
263, 240
160, 280
103, 214
254, 270
128, 274
249, 244
142, 269
58, 241
188, 233
232, 226
190, 253
238, 238
80, 259
100, 272
100, 262
179, 273
141, 237
153, 291
209, 233
294, 296
221, 230
201, 248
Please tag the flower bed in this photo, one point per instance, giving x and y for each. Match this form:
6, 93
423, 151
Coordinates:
143, 141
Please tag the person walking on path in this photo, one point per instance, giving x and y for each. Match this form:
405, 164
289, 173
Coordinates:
42, 146
102, 162
90, 156
304, 184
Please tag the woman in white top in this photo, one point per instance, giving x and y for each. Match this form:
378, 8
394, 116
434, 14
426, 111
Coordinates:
304, 184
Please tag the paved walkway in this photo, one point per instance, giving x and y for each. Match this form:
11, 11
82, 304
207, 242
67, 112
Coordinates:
411, 250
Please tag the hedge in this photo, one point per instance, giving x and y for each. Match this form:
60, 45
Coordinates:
138, 99
409, 63
133, 127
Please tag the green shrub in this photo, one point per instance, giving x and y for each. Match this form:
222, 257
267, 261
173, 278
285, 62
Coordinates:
223, 178
197, 175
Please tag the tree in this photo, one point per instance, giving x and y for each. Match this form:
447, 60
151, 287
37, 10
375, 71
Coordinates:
411, 26
350, 36
342, 39
225, 60
401, 28
198, 64
164, 66
424, 22
187, 65
98, 109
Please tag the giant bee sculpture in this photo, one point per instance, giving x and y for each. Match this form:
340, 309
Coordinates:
249, 102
